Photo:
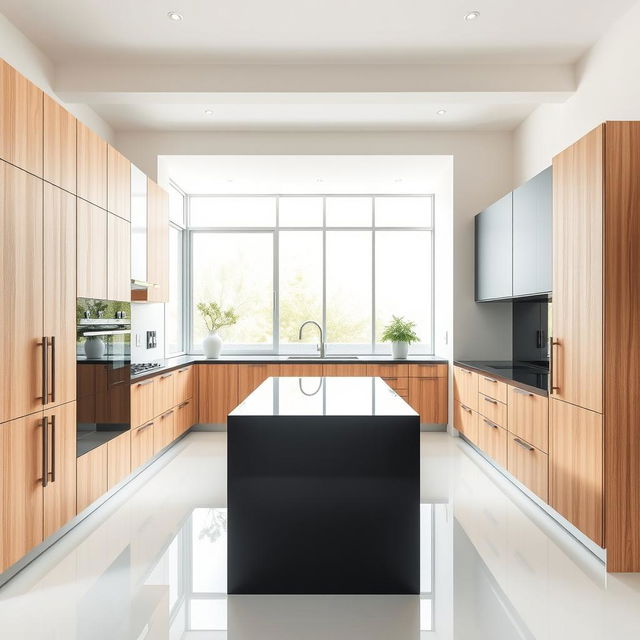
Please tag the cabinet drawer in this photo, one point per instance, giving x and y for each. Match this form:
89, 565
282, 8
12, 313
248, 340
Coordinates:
184, 384
164, 393
465, 421
118, 459
398, 384
185, 417
493, 388
164, 431
91, 473
492, 409
529, 417
388, 370
465, 384
428, 370
529, 465
142, 402
493, 440
142, 444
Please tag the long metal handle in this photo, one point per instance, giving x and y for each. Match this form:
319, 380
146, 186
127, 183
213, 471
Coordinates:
166, 413
489, 379
183, 370
389, 378
167, 375
45, 370
490, 400
45, 451
523, 444
146, 426
53, 448
53, 368
491, 424
552, 369
115, 332
141, 384
522, 392
464, 406
184, 404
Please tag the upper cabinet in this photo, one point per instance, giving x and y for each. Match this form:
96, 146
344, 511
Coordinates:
532, 236
92, 167
21, 121
138, 225
118, 184
493, 251
59, 146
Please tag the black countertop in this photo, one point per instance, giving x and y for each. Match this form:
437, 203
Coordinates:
181, 361
520, 374
355, 396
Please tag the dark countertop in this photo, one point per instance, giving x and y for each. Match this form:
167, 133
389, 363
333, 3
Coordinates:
169, 364
355, 396
519, 374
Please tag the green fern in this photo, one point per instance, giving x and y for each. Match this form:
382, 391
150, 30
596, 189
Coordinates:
400, 330
215, 317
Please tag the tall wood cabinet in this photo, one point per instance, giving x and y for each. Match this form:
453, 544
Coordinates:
59, 146
594, 429
91, 166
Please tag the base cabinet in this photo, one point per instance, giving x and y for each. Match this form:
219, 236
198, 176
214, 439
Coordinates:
92, 477
217, 392
163, 431
429, 397
465, 420
142, 444
492, 439
118, 459
529, 465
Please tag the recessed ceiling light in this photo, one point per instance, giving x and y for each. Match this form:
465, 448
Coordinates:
441, 112
174, 16
472, 15
208, 112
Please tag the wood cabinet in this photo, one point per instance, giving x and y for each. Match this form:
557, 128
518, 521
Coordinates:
492, 388
142, 402
21, 290
429, 397
528, 465
164, 392
60, 492
118, 258
91, 178
424, 370
60, 292
251, 376
492, 409
465, 420
492, 439
302, 370
465, 387
118, 459
21, 121
343, 370
185, 417
217, 392
142, 444
388, 370
91, 477
91, 251
163, 432
185, 383
59, 146
576, 467
528, 417
118, 184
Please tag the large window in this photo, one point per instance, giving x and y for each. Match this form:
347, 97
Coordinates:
348, 262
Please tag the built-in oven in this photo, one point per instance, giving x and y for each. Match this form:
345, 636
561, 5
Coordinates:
103, 368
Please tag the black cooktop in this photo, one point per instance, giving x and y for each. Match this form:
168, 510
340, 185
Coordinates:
534, 375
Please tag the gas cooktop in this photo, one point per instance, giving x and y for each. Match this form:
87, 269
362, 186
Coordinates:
143, 367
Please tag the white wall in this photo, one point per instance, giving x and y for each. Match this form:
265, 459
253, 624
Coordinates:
608, 89
24, 56
147, 317
482, 172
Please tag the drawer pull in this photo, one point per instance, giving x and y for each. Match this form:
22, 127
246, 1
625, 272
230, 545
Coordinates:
523, 444
183, 370
389, 378
166, 375
167, 413
146, 426
183, 405
491, 400
489, 379
464, 406
490, 424
141, 384
522, 392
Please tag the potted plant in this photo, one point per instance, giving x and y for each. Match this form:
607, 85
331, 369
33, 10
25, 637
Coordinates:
215, 318
399, 332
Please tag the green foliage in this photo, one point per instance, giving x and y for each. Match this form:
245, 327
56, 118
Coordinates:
215, 317
400, 330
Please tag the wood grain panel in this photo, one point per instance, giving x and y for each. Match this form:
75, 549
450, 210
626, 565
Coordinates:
428, 370
465, 387
578, 272
158, 242
21, 120
575, 467
118, 184
492, 439
91, 477
622, 346
465, 421
60, 291
492, 388
344, 370
493, 410
118, 258
142, 402
388, 370
22, 496
163, 432
251, 376
185, 383
400, 385
217, 392
185, 417
529, 465
301, 370
528, 417
164, 393
118, 459
429, 397
91, 173
91, 251
142, 444
21, 291
60, 493
59, 146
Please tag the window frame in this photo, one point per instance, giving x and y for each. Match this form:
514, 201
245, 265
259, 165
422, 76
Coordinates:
275, 348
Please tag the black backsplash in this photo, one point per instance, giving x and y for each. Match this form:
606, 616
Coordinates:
531, 331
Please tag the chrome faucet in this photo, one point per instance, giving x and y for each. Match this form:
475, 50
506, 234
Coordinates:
322, 345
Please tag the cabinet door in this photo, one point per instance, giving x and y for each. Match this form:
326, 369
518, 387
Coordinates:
21, 328
251, 376
465, 420
492, 439
21, 105
164, 393
528, 417
158, 243
428, 396
91, 477
142, 444
576, 467
163, 432
185, 417
60, 492
529, 465
91, 251
185, 384
118, 184
465, 383
22, 467
118, 459
301, 370
59, 146
532, 235
118, 258
577, 273
60, 292
139, 225
91, 166
494, 263
217, 392
142, 402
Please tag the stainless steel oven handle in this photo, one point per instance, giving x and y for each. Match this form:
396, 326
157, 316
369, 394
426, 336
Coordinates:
115, 332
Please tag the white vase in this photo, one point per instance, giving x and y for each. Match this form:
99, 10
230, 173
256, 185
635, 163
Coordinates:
94, 347
212, 345
400, 350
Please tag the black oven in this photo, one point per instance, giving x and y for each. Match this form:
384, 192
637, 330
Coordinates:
103, 368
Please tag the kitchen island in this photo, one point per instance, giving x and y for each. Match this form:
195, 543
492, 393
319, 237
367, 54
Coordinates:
323, 489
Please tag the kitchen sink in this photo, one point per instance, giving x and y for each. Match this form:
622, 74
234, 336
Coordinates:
322, 359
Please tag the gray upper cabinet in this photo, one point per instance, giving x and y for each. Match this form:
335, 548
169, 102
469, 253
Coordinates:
532, 236
493, 251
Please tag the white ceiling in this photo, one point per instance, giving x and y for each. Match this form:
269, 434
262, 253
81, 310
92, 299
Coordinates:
293, 31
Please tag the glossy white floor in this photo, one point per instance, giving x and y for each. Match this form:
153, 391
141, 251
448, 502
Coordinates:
151, 564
